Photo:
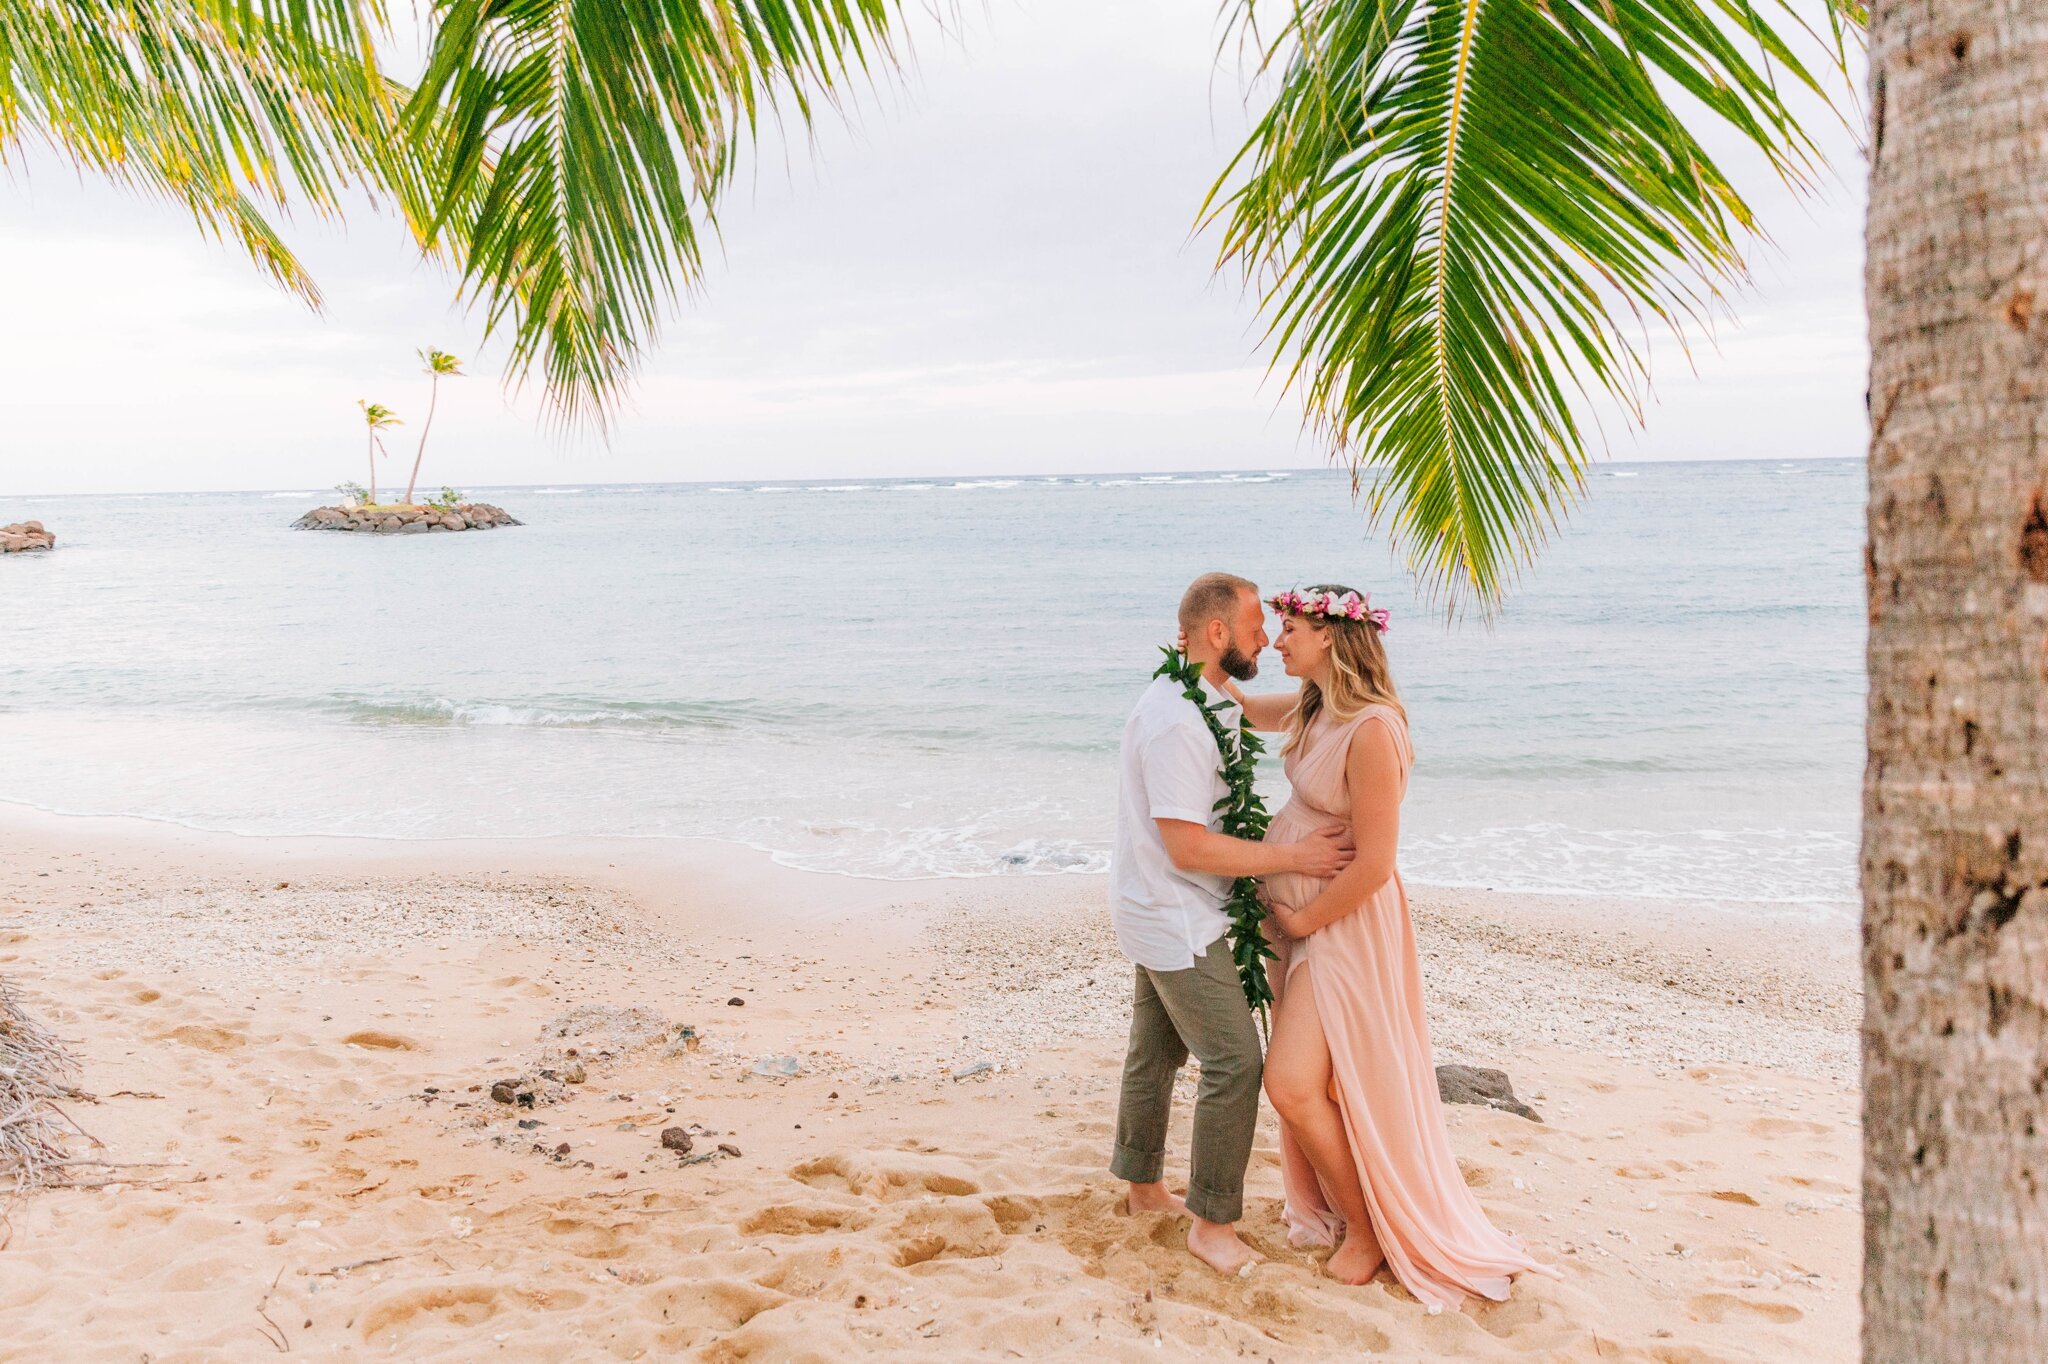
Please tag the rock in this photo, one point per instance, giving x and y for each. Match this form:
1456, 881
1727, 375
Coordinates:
562, 1150
778, 1067
574, 1073
728, 1148
398, 520
1478, 1085
505, 1091
978, 1068
676, 1139
23, 536
736, 1003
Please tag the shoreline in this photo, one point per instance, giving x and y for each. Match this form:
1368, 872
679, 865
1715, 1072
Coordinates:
293, 1027
1818, 911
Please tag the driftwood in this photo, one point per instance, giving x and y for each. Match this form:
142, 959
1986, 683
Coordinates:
35, 1072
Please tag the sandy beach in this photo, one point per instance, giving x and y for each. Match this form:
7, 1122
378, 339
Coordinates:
896, 1100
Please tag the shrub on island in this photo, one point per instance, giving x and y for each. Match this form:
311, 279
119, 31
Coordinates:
23, 536
404, 518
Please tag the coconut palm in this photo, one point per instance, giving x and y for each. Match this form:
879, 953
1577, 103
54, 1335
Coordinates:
377, 418
1955, 831
437, 363
562, 155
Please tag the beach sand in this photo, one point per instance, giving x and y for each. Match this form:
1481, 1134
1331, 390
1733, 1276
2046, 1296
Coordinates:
292, 1045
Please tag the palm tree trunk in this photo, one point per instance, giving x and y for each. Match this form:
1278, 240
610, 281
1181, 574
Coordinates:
433, 396
373, 466
1955, 833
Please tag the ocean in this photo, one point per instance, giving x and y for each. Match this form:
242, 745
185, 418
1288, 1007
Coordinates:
921, 678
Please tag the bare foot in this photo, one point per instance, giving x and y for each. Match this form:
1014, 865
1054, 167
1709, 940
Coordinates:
1357, 1260
1155, 1198
1216, 1245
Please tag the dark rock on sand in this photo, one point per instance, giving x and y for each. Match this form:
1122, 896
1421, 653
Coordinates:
676, 1139
1479, 1085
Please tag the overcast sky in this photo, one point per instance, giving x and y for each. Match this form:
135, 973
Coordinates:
993, 271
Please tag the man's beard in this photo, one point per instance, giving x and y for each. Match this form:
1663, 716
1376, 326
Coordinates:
1239, 665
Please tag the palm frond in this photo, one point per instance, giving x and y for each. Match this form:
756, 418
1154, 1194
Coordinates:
578, 149
1454, 210
231, 108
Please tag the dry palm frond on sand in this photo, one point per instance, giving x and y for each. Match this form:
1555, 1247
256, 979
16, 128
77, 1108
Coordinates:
35, 1071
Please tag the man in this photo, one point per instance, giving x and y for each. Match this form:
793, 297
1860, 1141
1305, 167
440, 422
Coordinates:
1169, 876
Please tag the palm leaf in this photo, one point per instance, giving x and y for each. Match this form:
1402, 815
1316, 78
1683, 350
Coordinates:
1455, 207
231, 108
578, 148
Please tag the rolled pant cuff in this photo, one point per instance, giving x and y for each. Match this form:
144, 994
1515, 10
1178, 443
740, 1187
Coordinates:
1139, 1167
1214, 1207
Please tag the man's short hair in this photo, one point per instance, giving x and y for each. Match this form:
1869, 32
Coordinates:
1213, 596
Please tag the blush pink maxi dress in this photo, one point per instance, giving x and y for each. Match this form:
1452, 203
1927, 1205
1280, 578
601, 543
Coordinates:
1367, 980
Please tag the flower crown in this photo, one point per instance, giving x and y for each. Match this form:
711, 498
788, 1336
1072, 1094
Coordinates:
1331, 606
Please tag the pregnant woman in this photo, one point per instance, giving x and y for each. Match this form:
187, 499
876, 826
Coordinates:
1367, 1160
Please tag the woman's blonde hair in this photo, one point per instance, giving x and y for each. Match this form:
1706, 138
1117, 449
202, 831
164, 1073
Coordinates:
1359, 673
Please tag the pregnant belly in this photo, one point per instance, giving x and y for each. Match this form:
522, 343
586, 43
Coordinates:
1294, 823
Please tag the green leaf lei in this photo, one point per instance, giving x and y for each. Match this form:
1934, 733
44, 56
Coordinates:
1244, 816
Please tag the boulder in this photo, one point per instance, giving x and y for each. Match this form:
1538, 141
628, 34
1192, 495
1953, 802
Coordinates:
24, 536
1479, 1085
454, 522
411, 527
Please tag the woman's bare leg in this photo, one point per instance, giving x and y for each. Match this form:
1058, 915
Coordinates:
1298, 1083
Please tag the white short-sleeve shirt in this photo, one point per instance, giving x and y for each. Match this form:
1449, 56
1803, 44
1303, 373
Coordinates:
1165, 917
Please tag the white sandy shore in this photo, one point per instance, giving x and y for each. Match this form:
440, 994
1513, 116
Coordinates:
283, 1036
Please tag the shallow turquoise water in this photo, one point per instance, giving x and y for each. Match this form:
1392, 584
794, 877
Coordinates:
916, 678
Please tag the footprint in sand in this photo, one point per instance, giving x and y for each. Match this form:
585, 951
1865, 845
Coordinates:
883, 1182
207, 1038
380, 1041
947, 1231
1785, 1127
1720, 1307
692, 1309
1734, 1196
463, 1305
801, 1219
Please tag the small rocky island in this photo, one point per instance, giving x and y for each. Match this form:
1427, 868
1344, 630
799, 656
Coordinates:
23, 536
402, 520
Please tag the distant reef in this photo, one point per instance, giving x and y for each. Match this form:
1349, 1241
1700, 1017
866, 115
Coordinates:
397, 520
24, 536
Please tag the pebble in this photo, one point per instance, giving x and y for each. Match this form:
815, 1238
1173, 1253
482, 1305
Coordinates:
676, 1139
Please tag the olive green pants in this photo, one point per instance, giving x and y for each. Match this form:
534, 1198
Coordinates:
1174, 1013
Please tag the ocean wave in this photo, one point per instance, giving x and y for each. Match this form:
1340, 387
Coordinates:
545, 492
295, 495
1761, 865
552, 713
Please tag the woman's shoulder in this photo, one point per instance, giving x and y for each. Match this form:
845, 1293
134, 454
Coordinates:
1361, 729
